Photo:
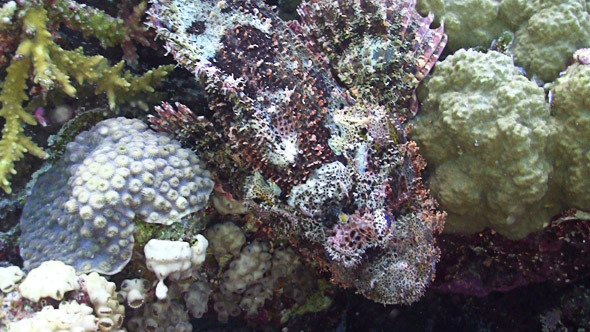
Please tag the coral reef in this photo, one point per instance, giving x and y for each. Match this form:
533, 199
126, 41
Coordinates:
571, 312
82, 209
125, 30
251, 275
308, 154
570, 107
546, 32
552, 34
51, 279
468, 23
259, 276
9, 277
70, 315
82, 303
501, 154
305, 178
174, 259
104, 300
134, 292
53, 69
161, 316
487, 262
9, 32
484, 129
226, 240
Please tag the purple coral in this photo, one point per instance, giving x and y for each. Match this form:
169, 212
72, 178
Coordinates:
81, 211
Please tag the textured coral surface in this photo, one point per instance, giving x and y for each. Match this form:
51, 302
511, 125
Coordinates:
546, 33
484, 129
82, 209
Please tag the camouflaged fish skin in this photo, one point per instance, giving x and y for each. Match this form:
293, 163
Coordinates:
315, 158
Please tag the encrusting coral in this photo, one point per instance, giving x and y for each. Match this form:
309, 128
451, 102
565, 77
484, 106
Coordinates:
82, 209
53, 69
83, 303
571, 109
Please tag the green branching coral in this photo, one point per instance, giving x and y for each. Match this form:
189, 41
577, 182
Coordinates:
55, 69
110, 31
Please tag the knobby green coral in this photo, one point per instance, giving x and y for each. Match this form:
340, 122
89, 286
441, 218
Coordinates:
501, 155
571, 107
52, 68
546, 32
484, 129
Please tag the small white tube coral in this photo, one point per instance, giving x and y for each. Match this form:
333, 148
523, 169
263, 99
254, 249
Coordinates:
70, 316
104, 299
134, 292
9, 277
175, 259
199, 251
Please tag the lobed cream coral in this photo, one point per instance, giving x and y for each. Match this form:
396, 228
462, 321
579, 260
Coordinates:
51, 279
174, 259
86, 303
10, 276
104, 299
70, 316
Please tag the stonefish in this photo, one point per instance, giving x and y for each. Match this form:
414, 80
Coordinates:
306, 128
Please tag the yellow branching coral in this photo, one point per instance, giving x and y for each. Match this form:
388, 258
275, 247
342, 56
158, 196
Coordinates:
14, 144
53, 68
